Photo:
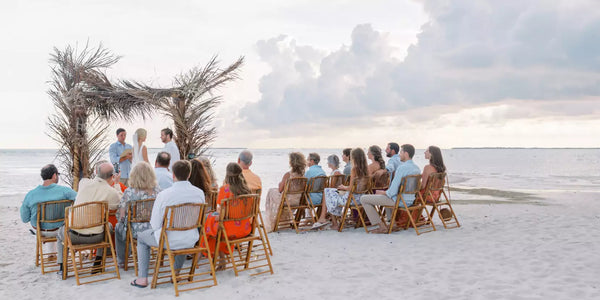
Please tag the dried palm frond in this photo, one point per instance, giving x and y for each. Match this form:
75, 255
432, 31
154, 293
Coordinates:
84, 98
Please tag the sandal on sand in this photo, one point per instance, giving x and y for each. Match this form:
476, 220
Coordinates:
318, 225
134, 283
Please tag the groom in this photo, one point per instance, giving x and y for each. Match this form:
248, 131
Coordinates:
166, 136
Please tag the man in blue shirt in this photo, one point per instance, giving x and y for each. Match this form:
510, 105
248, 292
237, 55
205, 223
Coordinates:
124, 161
389, 197
48, 191
314, 170
392, 151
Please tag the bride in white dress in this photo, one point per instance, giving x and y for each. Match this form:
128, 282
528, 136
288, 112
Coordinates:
140, 152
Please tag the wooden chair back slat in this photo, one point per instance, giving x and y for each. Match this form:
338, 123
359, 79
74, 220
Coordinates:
52, 211
239, 208
140, 211
87, 215
361, 185
184, 216
317, 184
436, 182
211, 199
336, 180
411, 184
295, 185
381, 180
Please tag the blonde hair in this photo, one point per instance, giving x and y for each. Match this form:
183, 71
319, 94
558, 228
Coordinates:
142, 177
141, 133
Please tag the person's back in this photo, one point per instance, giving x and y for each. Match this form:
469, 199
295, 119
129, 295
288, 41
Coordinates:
99, 189
180, 192
161, 165
48, 191
245, 161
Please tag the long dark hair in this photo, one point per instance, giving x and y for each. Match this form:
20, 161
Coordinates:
436, 159
359, 163
297, 162
199, 177
376, 152
235, 179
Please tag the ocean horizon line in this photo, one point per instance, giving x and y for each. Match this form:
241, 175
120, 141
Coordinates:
327, 148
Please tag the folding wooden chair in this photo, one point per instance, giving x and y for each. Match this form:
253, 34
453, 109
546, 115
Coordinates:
295, 189
422, 223
48, 212
138, 211
316, 185
435, 196
261, 224
361, 185
252, 252
187, 216
211, 200
336, 180
380, 180
85, 216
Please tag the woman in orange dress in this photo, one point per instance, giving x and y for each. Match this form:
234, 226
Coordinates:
234, 185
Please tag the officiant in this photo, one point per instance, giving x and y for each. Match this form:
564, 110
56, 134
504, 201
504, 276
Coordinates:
121, 155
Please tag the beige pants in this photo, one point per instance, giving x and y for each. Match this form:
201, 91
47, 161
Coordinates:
369, 202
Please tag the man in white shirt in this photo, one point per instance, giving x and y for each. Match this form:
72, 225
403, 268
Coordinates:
161, 165
181, 192
166, 136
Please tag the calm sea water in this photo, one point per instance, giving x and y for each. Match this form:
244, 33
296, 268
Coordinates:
526, 170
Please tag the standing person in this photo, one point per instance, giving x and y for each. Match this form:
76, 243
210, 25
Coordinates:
49, 190
181, 192
388, 197
245, 161
392, 151
161, 168
140, 152
166, 136
346, 159
121, 154
314, 170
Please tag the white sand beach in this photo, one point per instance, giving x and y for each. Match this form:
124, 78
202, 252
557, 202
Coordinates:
543, 249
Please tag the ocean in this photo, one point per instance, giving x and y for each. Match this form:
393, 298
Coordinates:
476, 175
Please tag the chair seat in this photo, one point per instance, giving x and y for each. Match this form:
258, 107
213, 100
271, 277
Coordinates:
90, 246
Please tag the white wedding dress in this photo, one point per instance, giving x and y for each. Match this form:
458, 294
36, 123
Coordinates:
137, 151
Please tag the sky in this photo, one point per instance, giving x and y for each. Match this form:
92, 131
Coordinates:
330, 74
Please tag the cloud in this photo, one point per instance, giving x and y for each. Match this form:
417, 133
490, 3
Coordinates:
469, 53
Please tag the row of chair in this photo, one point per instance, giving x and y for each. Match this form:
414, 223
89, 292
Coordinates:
297, 204
244, 255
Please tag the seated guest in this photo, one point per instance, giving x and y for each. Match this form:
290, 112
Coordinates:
98, 189
388, 197
142, 185
49, 190
245, 161
377, 162
314, 170
200, 178
346, 159
234, 185
333, 162
436, 165
334, 202
391, 151
297, 165
208, 166
161, 168
181, 192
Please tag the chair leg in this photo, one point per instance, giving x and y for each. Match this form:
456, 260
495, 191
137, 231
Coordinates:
261, 226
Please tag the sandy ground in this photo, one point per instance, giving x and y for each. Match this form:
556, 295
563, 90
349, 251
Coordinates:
546, 249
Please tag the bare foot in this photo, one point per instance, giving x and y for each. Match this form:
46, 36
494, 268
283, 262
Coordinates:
379, 230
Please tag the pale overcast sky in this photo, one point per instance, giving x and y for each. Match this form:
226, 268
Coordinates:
331, 73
